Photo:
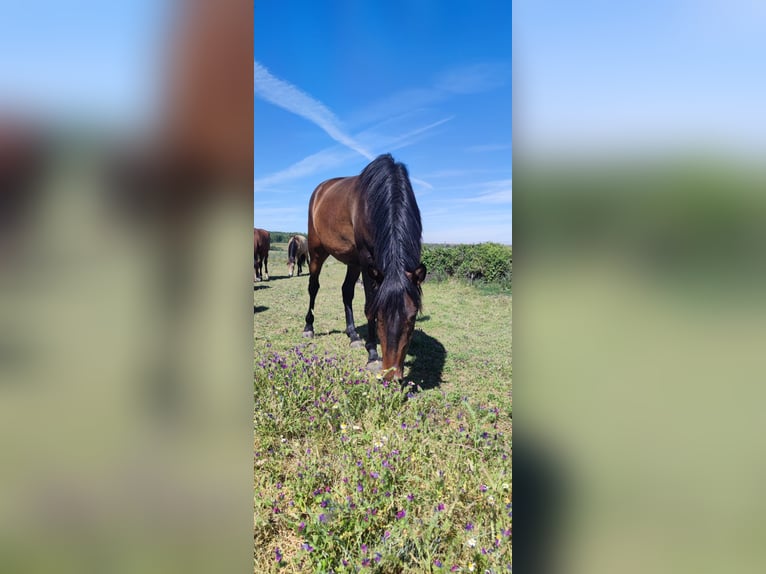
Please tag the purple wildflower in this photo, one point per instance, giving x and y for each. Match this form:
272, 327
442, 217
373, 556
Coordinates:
277, 555
307, 547
401, 514
469, 526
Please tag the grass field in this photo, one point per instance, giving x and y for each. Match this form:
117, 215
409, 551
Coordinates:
350, 472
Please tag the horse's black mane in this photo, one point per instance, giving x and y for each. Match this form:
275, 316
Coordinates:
395, 219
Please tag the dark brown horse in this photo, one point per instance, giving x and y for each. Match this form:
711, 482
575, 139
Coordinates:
261, 246
297, 252
371, 222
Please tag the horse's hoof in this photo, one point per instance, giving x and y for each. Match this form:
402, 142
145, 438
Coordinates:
308, 334
374, 366
357, 344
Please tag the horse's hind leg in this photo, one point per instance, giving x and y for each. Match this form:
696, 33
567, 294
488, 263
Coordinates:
314, 269
266, 266
352, 274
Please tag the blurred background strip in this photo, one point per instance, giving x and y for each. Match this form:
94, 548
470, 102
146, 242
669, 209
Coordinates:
126, 167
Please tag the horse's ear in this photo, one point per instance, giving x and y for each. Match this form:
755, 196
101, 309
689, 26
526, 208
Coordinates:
419, 275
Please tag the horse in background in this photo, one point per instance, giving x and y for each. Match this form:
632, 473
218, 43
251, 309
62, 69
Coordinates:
261, 246
371, 222
297, 252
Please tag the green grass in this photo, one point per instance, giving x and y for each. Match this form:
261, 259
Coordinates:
352, 473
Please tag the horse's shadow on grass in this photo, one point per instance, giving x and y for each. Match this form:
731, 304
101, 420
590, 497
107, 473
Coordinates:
425, 369
260, 285
428, 363
259, 308
280, 277
325, 334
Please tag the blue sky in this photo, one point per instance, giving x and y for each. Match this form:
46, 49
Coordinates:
81, 59
595, 75
429, 81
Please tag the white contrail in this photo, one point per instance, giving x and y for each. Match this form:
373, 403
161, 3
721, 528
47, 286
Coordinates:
332, 157
291, 98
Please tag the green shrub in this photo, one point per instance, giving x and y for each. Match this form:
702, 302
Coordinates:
284, 236
485, 262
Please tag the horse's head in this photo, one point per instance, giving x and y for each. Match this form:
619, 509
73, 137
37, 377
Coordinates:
396, 321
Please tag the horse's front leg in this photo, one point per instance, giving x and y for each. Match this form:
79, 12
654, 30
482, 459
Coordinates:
373, 360
352, 274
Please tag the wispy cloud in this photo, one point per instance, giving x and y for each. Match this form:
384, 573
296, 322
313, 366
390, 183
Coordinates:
456, 81
475, 78
334, 157
411, 137
495, 192
484, 224
452, 233
454, 173
487, 148
293, 99
326, 159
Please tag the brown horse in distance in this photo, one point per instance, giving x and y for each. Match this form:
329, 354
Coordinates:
297, 252
261, 246
371, 222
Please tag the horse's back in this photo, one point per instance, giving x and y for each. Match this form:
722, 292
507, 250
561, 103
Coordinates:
261, 241
332, 211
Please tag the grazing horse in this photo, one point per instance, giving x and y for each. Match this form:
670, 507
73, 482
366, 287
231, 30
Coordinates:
261, 246
371, 222
297, 252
